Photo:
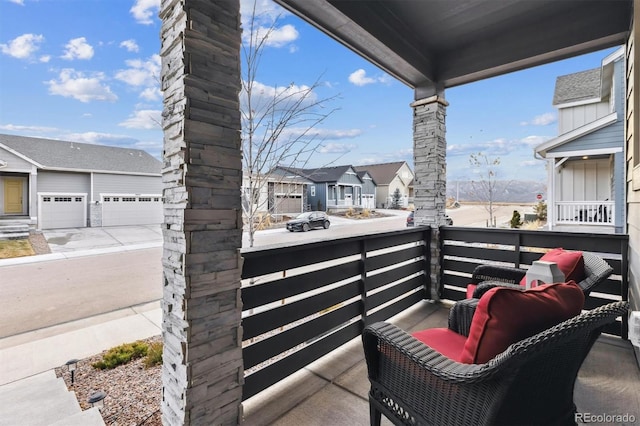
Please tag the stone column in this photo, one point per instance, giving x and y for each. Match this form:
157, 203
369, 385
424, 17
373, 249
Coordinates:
430, 180
202, 372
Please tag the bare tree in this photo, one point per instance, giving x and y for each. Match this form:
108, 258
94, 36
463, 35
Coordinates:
279, 125
485, 186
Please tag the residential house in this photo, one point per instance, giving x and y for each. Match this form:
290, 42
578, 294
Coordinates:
330, 187
61, 184
368, 190
388, 178
276, 192
585, 162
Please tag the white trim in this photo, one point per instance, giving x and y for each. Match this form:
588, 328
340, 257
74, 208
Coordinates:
106, 172
54, 194
126, 194
24, 157
575, 134
578, 103
617, 54
581, 153
560, 163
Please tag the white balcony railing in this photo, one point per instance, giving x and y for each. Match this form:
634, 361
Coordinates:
585, 212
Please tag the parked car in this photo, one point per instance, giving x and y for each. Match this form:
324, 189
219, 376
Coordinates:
306, 221
410, 222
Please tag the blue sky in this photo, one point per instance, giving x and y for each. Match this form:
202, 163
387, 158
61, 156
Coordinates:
88, 71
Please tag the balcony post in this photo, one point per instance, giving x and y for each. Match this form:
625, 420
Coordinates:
430, 177
202, 373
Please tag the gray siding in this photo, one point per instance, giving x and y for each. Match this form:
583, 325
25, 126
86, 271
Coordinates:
64, 182
609, 137
321, 196
14, 163
104, 183
368, 187
348, 179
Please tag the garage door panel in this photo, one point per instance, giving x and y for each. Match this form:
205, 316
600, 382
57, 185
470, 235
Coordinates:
131, 210
63, 211
288, 204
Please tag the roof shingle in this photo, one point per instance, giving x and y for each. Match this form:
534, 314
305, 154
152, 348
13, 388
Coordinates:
55, 154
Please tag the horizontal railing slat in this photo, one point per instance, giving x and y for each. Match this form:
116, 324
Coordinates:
267, 348
393, 258
280, 369
269, 320
261, 294
394, 291
396, 274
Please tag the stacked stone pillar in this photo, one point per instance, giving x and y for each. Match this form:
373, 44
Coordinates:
430, 175
202, 361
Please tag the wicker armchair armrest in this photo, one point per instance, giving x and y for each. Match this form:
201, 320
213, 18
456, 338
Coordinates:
461, 314
497, 273
411, 379
485, 286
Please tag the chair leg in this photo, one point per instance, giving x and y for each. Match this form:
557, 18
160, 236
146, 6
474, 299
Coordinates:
375, 416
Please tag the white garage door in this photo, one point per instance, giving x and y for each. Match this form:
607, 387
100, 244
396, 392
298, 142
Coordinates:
129, 209
367, 201
63, 211
288, 204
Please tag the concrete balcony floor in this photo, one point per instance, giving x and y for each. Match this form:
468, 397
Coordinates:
333, 390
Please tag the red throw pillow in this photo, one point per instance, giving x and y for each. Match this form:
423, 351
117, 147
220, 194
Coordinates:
506, 315
570, 263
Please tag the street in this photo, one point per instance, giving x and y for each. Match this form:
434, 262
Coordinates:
43, 294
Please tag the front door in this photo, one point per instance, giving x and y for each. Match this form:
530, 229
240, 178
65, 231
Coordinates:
12, 196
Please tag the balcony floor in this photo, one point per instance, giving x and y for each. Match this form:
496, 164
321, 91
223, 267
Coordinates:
333, 390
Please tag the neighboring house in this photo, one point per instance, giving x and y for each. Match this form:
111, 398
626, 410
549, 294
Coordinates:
368, 190
329, 187
388, 178
276, 193
585, 163
57, 184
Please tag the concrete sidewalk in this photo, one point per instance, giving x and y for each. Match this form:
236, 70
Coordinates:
28, 354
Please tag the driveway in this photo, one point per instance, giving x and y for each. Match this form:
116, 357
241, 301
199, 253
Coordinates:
74, 239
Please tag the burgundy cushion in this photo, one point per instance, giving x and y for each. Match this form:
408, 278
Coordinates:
506, 315
446, 341
570, 263
470, 289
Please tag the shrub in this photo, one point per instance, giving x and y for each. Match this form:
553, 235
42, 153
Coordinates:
121, 355
516, 221
366, 213
540, 210
154, 355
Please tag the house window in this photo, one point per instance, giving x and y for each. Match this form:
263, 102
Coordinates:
107, 199
128, 199
62, 199
144, 199
46, 199
116, 198
78, 199
313, 190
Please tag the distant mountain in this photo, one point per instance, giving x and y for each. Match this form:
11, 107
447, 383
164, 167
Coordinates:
514, 191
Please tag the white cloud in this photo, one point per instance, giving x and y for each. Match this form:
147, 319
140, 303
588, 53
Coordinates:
541, 120
23, 47
337, 148
74, 84
143, 11
141, 73
274, 37
19, 128
19, 2
533, 141
359, 78
265, 24
143, 119
45, 58
151, 94
100, 138
262, 95
78, 48
130, 45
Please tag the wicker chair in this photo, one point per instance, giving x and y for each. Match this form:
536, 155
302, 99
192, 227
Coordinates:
486, 277
531, 382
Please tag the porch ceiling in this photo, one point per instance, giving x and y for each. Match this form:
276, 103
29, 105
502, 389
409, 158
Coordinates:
435, 44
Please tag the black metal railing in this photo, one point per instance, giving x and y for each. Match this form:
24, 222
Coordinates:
300, 302
462, 249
